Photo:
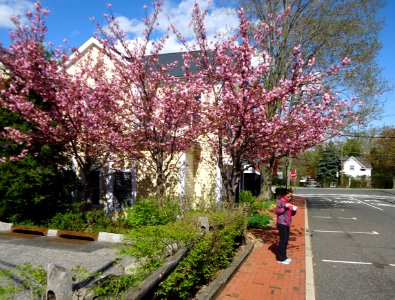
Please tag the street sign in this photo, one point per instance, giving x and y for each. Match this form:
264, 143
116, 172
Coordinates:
293, 174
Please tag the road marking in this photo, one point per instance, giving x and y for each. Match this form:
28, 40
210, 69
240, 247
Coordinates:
347, 202
328, 231
385, 204
392, 265
343, 218
347, 262
335, 231
367, 204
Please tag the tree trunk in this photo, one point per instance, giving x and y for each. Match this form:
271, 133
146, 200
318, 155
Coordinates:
266, 181
160, 179
87, 188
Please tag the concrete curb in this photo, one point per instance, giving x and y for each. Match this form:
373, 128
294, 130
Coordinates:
102, 236
310, 288
215, 287
5, 226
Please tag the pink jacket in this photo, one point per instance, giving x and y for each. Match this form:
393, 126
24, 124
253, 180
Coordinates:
284, 214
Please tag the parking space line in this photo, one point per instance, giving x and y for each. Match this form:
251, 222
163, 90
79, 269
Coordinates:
362, 202
353, 232
343, 218
328, 231
347, 262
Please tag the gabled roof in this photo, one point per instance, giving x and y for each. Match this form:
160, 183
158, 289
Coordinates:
359, 159
164, 59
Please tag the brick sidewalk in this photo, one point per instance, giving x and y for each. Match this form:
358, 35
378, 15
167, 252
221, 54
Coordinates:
262, 277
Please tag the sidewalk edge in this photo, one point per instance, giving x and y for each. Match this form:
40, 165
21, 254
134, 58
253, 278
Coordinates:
310, 289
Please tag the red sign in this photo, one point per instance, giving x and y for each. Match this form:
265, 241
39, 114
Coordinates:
293, 175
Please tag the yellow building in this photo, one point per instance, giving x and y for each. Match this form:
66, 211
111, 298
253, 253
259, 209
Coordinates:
195, 176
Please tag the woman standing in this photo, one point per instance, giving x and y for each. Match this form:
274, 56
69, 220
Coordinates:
284, 211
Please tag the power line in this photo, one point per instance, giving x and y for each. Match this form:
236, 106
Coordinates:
368, 136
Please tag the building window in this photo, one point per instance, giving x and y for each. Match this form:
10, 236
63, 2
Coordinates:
351, 167
123, 187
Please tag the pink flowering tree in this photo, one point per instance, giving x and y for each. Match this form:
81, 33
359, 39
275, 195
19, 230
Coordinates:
250, 118
160, 100
75, 111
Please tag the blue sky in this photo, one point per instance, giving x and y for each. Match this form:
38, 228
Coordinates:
70, 19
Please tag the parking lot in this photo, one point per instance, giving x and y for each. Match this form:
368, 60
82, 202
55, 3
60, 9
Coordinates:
353, 243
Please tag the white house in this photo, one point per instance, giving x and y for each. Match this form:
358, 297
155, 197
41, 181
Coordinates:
356, 167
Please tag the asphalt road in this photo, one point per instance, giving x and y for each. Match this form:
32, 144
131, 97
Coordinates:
353, 243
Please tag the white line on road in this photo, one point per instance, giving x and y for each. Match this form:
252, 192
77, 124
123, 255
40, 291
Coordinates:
343, 218
362, 202
329, 231
372, 232
392, 265
347, 262
335, 231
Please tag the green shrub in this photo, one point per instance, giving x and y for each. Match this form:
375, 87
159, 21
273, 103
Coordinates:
246, 197
90, 221
213, 252
258, 221
151, 245
30, 278
71, 220
149, 212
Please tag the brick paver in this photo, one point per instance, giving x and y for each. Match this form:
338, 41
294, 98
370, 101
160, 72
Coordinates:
262, 277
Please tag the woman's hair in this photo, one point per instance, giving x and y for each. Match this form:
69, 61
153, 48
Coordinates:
289, 191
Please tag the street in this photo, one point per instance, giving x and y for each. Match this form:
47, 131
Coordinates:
353, 243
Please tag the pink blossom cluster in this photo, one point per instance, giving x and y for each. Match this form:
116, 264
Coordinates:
224, 93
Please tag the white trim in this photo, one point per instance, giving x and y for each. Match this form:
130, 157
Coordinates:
182, 173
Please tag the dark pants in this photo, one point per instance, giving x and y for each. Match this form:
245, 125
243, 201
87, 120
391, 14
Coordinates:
283, 243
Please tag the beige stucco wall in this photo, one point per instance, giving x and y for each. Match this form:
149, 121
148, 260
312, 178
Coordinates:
200, 181
146, 177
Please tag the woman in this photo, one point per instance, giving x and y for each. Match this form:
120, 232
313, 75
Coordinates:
284, 211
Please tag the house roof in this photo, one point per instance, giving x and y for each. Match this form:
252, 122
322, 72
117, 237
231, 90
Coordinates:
359, 159
164, 59
177, 70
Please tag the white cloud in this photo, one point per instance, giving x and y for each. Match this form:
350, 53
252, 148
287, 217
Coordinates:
219, 19
9, 8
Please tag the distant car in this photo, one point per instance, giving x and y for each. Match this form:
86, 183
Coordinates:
332, 185
312, 184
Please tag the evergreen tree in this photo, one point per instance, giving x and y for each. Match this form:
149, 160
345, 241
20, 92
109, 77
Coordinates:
35, 187
328, 165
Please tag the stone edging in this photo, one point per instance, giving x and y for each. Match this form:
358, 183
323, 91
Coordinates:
215, 287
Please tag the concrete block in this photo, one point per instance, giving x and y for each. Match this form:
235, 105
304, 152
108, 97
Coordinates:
203, 221
5, 226
52, 232
59, 283
110, 237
